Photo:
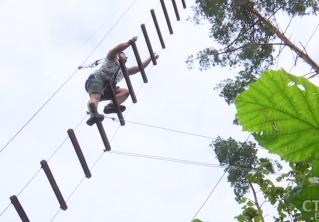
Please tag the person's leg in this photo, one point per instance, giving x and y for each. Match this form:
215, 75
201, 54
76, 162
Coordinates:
95, 89
121, 95
95, 98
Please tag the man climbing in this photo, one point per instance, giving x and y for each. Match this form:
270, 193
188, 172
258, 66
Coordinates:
110, 72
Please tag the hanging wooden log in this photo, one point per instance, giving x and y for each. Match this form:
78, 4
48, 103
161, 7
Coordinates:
176, 10
79, 153
53, 184
139, 61
101, 129
15, 202
184, 4
128, 82
166, 17
149, 45
158, 30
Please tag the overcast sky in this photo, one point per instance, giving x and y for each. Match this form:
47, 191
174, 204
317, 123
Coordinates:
43, 43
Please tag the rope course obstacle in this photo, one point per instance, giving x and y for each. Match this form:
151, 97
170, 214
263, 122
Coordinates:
98, 122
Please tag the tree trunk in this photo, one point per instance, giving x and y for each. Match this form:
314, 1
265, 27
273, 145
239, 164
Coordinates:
287, 41
257, 203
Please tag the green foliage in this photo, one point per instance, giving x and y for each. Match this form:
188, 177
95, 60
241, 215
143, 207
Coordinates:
231, 88
246, 170
249, 214
239, 159
281, 110
241, 39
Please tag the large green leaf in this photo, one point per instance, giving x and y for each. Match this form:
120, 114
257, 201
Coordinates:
282, 112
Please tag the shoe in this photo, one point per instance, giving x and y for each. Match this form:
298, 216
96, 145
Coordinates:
94, 118
110, 108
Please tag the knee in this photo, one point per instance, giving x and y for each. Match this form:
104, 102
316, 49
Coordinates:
95, 97
126, 93
123, 92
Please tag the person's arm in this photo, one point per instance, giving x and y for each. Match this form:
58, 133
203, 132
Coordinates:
135, 69
119, 48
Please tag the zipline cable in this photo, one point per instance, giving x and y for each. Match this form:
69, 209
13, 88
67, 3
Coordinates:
308, 41
312, 35
39, 170
209, 195
137, 155
162, 128
100, 156
183, 161
164, 159
281, 48
99, 61
67, 80
214, 188
167, 159
122, 153
110, 30
91, 168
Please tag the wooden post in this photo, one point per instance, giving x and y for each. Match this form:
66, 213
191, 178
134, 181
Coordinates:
116, 104
53, 184
94, 116
148, 43
103, 136
166, 17
139, 61
79, 153
158, 30
184, 4
101, 129
15, 202
176, 10
128, 82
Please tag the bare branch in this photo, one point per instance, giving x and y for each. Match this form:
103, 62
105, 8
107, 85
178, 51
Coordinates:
256, 202
281, 35
250, 27
226, 50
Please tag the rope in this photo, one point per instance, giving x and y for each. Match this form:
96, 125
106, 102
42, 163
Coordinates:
209, 195
162, 128
99, 61
27, 184
167, 159
66, 81
308, 41
100, 156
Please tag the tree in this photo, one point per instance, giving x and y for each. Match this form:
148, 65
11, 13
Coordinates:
245, 33
245, 37
239, 159
247, 173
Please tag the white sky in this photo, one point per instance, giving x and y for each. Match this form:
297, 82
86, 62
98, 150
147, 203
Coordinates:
43, 43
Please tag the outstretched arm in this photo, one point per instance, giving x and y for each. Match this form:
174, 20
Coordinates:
119, 48
135, 69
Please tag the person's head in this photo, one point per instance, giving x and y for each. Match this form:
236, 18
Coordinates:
122, 56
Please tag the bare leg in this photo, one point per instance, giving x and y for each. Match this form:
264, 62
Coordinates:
121, 95
95, 99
